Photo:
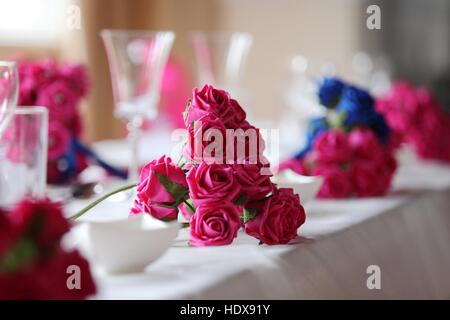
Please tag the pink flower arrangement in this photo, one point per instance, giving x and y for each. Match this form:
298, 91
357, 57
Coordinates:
351, 147
352, 164
33, 263
417, 119
218, 188
60, 88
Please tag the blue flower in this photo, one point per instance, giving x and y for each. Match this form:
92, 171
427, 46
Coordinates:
358, 105
330, 91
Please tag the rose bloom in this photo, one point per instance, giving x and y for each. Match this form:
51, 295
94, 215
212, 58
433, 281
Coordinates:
332, 147
60, 101
248, 146
214, 224
206, 140
58, 140
76, 77
46, 279
386, 166
278, 217
365, 178
152, 197
212, 183
253, 184
211, 101
336, 182
42, 219
364, 144
8, 233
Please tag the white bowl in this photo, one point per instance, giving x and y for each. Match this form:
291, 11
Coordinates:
129, 245
306, 186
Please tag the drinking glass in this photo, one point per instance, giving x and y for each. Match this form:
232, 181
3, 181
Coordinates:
136, 63
220, 59
8, 92
23, 156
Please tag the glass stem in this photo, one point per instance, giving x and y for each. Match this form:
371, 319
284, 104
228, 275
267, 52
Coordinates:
134, 127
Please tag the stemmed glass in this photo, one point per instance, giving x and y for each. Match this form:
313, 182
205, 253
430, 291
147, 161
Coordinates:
136, 63
8, 93
220, 59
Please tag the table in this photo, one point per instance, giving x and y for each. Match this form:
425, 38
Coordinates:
406, 234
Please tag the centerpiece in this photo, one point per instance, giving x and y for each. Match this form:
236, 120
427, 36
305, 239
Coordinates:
351, 147
222, 182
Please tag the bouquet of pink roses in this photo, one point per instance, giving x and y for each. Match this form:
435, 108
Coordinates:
223, 183
33, 263
351, 147
59, 87
417, 119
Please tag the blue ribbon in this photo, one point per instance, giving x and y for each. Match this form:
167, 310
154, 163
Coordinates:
78, 146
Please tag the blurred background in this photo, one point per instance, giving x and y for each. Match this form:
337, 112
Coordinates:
290, 37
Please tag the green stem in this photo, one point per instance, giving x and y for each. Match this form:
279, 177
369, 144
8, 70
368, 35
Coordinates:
189, 205
105, 196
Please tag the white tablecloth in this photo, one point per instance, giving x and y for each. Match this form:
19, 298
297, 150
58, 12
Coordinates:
406, 234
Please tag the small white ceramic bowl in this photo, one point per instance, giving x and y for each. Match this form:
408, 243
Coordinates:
306, 186
129, 245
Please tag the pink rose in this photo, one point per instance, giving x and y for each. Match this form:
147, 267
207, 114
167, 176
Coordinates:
248, 146
332, 147
365, 178
386, 166
76, 77
364, 143
60, 101
254, 185
277, 219
214, 224
206, 140
212, 183
336, 182
211, 101
296, 165
239, 115
42, 220
58, 140
152, 196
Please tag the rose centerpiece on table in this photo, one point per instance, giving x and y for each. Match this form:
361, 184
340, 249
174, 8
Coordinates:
33, 262
417, 119
351, 147
60, 87
222, 183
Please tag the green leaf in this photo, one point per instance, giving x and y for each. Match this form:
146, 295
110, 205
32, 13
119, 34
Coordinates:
22, 253
248, 214
178, 192
190, 205
239, 202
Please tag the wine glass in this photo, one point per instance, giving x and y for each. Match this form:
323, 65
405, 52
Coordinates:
136, 63
220, 59
8, 92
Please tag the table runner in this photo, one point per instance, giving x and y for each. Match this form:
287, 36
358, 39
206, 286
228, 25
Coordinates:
406, 234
